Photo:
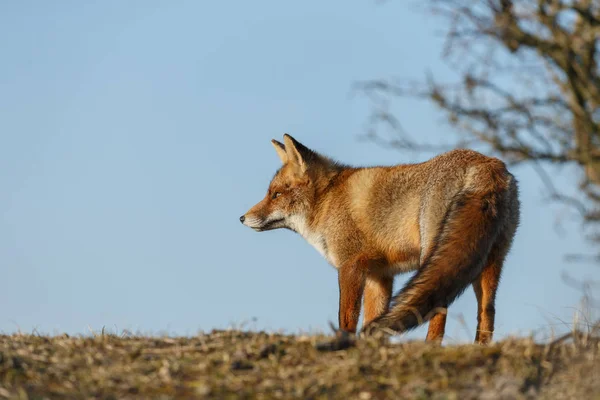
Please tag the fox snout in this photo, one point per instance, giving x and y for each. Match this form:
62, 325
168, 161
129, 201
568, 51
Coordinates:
252, 221
260, 222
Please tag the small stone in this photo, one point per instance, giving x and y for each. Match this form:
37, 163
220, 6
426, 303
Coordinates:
241, 365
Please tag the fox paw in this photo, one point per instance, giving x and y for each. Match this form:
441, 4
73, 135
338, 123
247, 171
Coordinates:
343, 340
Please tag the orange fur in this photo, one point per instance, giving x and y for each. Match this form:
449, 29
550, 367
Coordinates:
437, 327
351, 283
378, 291
451, 219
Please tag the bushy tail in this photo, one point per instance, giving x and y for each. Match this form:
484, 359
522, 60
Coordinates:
463, 243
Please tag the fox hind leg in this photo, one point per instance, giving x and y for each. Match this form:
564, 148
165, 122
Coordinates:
486, 285
437, 327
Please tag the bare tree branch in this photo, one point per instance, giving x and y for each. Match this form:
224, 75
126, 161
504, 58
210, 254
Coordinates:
529, 89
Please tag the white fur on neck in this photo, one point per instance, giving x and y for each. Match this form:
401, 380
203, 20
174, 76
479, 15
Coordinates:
300, 225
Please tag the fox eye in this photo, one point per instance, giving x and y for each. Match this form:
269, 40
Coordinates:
276, 195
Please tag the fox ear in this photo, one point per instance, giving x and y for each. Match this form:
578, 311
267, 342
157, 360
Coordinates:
296, 152
280, 148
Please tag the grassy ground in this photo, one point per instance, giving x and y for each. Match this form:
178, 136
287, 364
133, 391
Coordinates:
234, 364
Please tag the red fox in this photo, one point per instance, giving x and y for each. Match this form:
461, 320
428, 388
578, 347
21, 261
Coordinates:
451, 218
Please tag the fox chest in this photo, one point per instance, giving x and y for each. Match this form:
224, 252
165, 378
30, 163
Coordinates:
315, 239
319, 243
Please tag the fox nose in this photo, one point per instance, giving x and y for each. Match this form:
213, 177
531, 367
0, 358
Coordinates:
242, 218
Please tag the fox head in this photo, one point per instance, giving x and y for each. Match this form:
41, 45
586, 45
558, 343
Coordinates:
293, 190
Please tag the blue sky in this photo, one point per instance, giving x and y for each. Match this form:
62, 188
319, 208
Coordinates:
134, 134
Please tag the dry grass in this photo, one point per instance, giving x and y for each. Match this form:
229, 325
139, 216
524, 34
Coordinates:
234, 364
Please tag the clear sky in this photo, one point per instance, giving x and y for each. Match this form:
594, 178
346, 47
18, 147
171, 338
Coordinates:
134, 134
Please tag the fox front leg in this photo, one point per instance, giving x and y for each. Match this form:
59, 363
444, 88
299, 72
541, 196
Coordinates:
351, 279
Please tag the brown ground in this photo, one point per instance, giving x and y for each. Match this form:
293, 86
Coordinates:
234, 364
